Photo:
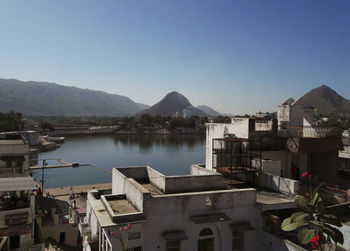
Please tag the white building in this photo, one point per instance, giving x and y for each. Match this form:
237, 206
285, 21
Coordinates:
234, 202
31, 136
16, 194
201, 211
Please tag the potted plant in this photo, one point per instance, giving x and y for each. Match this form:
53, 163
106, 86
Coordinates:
316, 227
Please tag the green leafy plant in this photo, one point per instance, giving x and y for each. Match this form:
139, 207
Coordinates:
313, 223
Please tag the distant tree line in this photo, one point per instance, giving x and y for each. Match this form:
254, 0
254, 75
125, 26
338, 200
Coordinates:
11, 121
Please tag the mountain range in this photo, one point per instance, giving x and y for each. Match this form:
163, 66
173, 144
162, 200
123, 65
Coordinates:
42, 98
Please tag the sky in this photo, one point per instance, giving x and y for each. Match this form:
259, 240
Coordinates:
238, 57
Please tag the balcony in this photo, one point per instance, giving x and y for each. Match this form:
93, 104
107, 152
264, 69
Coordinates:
311, 132
313, 139
12, 171
10, 202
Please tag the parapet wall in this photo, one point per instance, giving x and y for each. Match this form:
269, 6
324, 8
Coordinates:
189, 203
125, 180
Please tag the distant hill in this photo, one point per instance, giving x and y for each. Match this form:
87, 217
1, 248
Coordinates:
208, 110
327, 102
174, 104
41, 98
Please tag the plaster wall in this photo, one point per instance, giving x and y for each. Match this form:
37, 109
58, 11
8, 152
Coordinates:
238, 127
283, 115
91, 217
135, 193
285, 161
20, 149
140, 242
197, 202
156, 178
188, 183
29, 210
54, 231
26, 240
181, 221
137, 173
274, 183
198, 169
265, 125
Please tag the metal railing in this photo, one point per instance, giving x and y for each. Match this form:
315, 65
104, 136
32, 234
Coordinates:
311, 132
12, 204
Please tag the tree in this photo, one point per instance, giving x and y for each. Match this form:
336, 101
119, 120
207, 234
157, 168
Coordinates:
46, 126
11, 121
146, 119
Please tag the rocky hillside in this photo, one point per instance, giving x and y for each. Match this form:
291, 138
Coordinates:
41, 98
174, 104
327, 102
208, 110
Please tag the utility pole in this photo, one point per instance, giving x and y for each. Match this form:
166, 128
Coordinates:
63, 165
42, 176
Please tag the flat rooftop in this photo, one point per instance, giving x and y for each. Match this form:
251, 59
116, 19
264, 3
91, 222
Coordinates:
150, 188
122, 206
11, 142
64, 193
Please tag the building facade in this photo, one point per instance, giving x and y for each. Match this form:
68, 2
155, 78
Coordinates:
16, 194
189, 212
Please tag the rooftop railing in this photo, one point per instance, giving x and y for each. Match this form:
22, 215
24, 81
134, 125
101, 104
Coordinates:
11, 204
311, 132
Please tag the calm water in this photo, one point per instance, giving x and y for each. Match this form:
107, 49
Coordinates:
171, 155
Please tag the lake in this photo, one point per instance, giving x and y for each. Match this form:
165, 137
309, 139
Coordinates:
169, 154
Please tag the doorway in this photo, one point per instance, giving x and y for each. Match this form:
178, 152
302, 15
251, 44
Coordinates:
14, 242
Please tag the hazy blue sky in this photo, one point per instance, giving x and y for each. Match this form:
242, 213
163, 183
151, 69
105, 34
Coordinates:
236, 56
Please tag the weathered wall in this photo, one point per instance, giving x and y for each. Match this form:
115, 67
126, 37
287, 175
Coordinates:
263, 125
277, 183
137, 172
283, 116
54, 231
199, 201
238, 127
190, 183
173, 212
199, 169
135, 193
284, 157
274, 183
156, 178
92, 219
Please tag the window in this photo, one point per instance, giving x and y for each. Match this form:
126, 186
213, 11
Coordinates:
237, 241
134, 235
8, 163
173, 246
206, 240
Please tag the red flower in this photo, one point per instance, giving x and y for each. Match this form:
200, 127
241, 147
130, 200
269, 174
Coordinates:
129, 226
314, 241
304, 174
125, 228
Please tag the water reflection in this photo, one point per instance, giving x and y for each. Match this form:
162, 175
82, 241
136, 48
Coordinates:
147, 142
169, 154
